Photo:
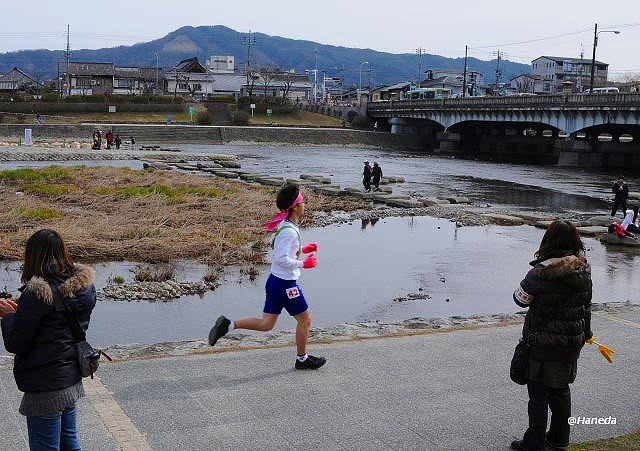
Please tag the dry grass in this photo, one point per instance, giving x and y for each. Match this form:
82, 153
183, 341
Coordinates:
629, 442
110, 214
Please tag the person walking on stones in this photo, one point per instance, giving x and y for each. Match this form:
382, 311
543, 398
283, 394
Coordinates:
118, 142
366, 177
621, 191
377, 175
37, 331
282, 289
557, 292
109, 139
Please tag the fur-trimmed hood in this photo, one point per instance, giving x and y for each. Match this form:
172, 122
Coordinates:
561, 267
82, 278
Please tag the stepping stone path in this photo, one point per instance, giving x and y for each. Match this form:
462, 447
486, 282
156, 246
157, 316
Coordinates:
614, 239
593, 230
503, 219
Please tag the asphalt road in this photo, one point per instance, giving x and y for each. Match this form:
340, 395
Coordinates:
440, 391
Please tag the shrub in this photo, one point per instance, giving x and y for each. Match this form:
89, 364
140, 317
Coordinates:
159, 273
73, 99
119, 280
361, 122
39, 214
48, 174
240, 118
50, 97
21, 119
203, 118
140, 99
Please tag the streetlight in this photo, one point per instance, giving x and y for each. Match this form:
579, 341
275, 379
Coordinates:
593, 59
360, 85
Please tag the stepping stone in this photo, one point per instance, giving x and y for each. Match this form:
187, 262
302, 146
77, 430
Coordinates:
316, 178
331, 191
300, 182
209, 166
353, 190
405, 203
432, 201
504, 219
362, 195
456, 199
634, 195
401, 196
593, 230
534, 216
226, 175
228, 164
385, 189
380, 197
604, 221
396, 179
614, 239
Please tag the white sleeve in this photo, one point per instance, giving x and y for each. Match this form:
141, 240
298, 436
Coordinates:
281, 248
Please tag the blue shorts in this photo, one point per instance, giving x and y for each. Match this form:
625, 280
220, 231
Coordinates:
284, 294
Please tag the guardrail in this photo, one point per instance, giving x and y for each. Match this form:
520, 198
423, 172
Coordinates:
598, 100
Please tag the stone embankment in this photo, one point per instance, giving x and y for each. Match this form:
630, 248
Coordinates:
169, 290
219, 135
344, 332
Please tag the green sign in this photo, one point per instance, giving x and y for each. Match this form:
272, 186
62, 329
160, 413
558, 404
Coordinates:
192, 111
269, 112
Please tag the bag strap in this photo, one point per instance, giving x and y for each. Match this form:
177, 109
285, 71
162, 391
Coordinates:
63, 306
273, 241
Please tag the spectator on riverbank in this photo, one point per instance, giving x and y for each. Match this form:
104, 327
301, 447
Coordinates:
557, 292
377, 175
621, 191
282, 290
366, 177
118, 142
109, 139
37, 331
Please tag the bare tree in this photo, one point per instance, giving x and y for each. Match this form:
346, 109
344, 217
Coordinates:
181, 77
524, 84
267, 74
252, 77
287, 80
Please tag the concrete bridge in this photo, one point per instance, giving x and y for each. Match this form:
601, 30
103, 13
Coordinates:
601, 130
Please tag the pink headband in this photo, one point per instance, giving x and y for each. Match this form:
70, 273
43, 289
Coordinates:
277, 219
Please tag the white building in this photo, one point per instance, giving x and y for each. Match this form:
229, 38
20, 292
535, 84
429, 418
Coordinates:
556, 70
190, 77
526, 84
221, 64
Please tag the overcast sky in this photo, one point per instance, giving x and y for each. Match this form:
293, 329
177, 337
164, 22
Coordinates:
401, 26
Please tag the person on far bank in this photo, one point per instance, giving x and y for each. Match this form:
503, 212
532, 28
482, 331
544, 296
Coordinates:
282, 289
621, 191
557, 292
118, 142
366, 177
36, 330
377, 175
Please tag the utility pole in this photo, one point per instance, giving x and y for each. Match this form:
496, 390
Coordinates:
67, 56
464, 73
315, 77
157, 73
498, 74
419, 51
249, 40
593, 59
59, 81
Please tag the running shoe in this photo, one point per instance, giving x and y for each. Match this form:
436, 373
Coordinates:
312, 363
219, 330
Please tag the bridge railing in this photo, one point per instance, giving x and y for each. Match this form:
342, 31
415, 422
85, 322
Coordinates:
554, 100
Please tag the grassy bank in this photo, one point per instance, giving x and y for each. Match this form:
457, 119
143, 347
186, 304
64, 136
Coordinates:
629, 442
301, 118
108, 214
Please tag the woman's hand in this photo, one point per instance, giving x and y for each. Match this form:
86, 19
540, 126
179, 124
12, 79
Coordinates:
311, 247
7, 306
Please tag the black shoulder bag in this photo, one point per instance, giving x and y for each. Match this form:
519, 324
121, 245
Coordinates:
520, 362
88, 357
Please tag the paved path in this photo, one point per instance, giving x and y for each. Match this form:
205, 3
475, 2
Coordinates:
440, 391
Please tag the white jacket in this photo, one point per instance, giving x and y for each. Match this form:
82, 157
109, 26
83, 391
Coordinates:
286, 244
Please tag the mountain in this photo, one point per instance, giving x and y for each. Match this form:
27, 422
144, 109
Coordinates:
285, 53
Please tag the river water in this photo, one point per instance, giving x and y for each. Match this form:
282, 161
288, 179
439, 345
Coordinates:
363, 267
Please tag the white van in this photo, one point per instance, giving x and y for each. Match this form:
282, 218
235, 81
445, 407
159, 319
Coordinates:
607, 90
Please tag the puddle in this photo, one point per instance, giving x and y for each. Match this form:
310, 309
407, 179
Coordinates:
362, 268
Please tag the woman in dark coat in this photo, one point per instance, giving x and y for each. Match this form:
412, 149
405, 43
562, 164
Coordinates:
36, 330
557, 292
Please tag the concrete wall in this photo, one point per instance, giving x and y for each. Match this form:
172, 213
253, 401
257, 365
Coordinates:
147, 134
63, 107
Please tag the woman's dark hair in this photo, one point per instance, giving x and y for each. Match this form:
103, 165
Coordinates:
635, 213
46, 256
287, 196
560, 239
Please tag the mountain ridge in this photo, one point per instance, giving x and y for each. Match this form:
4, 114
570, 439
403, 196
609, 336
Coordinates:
287, 53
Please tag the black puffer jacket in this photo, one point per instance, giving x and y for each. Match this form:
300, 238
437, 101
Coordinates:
558, 294
40, 336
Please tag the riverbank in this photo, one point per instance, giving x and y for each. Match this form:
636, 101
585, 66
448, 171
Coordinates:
149, 134
112, 214
348, 332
